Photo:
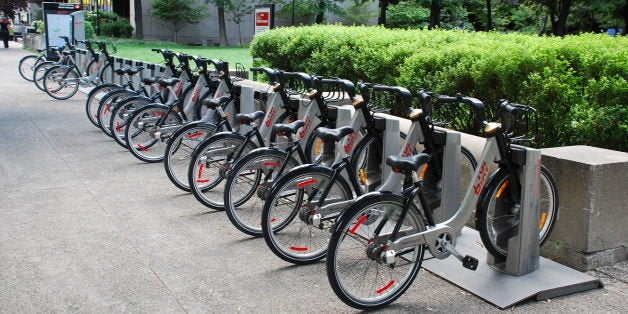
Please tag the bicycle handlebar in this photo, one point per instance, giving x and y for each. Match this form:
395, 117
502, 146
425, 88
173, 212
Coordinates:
271, 73
305, 78
346, 85
476, 106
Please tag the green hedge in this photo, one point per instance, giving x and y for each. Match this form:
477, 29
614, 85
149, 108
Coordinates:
118, 29
577, 83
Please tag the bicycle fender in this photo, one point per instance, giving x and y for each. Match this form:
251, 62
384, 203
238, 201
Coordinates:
361, 201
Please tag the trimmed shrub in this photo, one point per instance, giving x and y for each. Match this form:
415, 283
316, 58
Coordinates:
577, 83
119, 29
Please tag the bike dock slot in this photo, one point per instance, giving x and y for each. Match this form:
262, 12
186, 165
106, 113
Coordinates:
523, 274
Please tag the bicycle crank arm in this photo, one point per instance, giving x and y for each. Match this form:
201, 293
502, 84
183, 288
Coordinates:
468, 261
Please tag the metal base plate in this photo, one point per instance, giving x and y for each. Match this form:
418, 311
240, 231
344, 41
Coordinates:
503, 290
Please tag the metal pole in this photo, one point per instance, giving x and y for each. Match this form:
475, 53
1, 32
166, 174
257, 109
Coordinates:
292, 12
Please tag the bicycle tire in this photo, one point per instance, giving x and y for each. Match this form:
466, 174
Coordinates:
432, 181
199, 111
111, 101
27, 64
93, 101
495, 215
288, 230
179, 151
119, 116
106, 73
61, 82
142, 136
369, 180
40, 71
209, 165
355, 269
91, 66
245, 188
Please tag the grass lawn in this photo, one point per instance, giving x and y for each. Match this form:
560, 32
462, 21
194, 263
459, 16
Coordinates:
141, 51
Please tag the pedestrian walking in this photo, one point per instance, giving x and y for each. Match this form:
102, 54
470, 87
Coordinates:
4, 30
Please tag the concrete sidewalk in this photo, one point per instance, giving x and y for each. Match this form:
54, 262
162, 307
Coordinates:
86, 227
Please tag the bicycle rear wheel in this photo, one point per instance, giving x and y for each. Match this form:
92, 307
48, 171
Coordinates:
290, 226
179, 151
497, 216
61, 82
356, 268
142, 134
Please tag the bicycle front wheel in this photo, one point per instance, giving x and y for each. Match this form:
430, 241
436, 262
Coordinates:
93, 101
247, 183
26, 66
497, 216
106, 73
39, 71
143, 133
113, 102
179, 151
291, 226
61, 82
356, 268
211, 161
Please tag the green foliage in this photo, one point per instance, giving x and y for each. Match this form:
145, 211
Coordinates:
103, 16
178, 13
407, 14
118, 29
577, 83
39, 26
89, 30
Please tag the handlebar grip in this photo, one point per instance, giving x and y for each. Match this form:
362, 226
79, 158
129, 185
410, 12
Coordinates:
424, 97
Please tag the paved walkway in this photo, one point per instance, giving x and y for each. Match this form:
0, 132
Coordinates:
86, 227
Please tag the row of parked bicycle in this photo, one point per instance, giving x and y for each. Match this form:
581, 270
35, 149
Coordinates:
302, 162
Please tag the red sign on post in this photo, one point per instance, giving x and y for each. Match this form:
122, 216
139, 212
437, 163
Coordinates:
264, 19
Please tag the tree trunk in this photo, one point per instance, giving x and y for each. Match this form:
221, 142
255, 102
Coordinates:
558, 16
321, 12
434, 14
222, 28
139, 27
489, 16
383, 6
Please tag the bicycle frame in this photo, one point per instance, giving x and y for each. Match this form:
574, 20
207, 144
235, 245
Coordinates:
392, 182
453, 225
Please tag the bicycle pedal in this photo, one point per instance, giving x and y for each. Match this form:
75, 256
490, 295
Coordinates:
470, 262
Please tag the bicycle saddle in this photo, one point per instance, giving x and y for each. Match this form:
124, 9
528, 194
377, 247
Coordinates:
168, 82
247, 119
407, 164
334, 135
213, 103
150, 80
288, 128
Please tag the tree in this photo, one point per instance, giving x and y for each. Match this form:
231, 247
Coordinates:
139, 26
238, 10
221, 5
178, 13
557, 12
9, 7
